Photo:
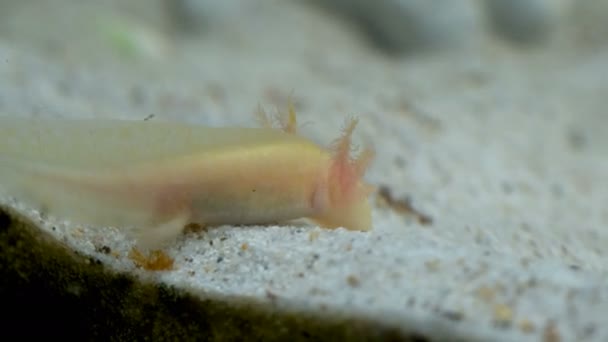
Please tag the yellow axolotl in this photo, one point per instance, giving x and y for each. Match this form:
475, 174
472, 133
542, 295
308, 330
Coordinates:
152, 178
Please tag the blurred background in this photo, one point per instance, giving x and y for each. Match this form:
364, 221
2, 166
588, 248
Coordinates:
396, 27
204, 40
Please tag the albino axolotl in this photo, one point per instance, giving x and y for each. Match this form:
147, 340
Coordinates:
152, 178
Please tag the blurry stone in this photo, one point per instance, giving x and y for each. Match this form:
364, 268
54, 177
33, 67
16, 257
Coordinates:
406, 26
589, 22
525, 21
192, 16
185, 15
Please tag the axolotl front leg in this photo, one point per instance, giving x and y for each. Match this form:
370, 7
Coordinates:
159, 233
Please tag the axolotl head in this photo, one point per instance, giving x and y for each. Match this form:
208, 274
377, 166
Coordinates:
347, 209
343, 199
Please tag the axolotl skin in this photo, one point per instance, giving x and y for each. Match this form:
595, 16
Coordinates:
152, 178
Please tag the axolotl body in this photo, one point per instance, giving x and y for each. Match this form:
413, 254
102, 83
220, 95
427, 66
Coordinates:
154, 177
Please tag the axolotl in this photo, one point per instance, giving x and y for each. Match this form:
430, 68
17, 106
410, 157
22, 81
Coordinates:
153, 178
